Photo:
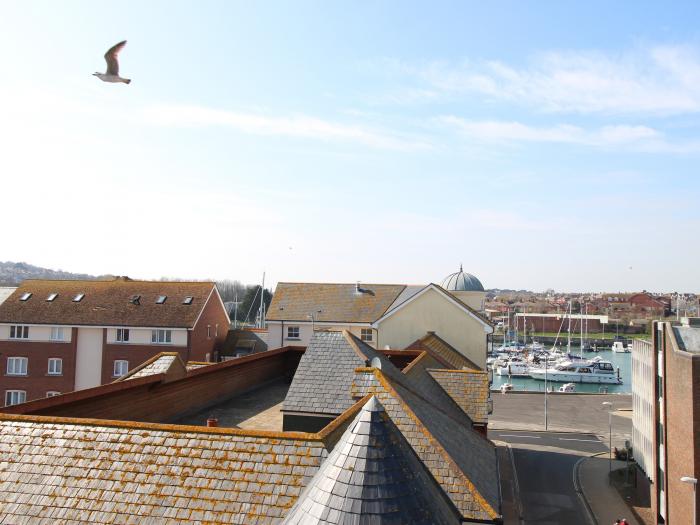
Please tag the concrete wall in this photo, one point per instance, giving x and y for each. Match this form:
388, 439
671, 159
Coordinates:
433, 311
475, 300
643, 399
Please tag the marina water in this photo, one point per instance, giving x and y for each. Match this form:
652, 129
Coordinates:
623, 361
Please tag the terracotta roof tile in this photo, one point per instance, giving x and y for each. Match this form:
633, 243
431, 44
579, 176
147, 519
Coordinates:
107, 303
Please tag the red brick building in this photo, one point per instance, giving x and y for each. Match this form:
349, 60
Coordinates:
59, 336
671, 423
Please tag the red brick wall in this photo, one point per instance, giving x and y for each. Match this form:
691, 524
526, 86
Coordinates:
682, 387
200, 344
552, 324
165, 402
38, 382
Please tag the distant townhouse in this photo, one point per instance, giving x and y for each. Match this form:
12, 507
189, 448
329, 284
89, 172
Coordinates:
58, 336
384, 315
666, 418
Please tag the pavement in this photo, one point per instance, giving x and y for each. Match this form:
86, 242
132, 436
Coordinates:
604, 501
557, 477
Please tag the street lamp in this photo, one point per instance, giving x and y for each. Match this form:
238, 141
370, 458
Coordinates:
609, 405
694, 483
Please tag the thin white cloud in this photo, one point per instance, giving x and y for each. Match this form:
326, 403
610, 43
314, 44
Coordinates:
662, 80
635, 138
299, 126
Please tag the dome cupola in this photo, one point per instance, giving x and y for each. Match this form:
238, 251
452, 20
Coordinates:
462, 282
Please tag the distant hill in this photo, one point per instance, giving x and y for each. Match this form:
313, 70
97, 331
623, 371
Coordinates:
13, 273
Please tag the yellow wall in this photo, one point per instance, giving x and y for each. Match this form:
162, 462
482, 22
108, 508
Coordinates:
474, 299
432, 311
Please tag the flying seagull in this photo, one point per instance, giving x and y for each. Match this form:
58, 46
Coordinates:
112, 74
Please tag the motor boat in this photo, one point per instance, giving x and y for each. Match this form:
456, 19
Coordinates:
506, 387
535, 346
601, 372
619, 348
516, 366
567, 388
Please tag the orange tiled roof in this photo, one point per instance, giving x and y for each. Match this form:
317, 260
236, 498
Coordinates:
106, 303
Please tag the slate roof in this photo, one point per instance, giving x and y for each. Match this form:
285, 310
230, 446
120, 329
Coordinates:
437, 346
372, 476
339, 303
462, 462
55, 470
322, 381
107, 303
468, 388
161, 363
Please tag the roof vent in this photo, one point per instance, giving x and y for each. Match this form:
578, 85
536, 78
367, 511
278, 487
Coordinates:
360, 290
25, 296
376, 363
135, 299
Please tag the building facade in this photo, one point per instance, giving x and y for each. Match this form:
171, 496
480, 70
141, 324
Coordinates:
668, 376
381, 315
61, 336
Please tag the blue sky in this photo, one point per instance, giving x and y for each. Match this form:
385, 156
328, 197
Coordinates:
543, 144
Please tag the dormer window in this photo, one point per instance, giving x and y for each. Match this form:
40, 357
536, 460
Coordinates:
135, 299
78, 297
51, 297
188, 300
25, 296
161, 299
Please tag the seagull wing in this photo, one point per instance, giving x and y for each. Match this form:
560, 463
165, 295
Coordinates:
111, 58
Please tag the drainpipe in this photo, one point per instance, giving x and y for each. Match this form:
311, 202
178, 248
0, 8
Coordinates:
282, 336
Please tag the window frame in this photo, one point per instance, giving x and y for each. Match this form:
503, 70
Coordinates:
57, 330
19, 331
119, 336
14, 359
58, 360
167, 338
296, 337
363, 335
21, 393
120, 362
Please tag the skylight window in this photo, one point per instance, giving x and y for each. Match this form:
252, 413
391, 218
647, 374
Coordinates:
25, 296
188, 300
78, 297
51, 297
161, 299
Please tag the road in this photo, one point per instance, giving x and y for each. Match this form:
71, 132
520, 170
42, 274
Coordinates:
544, 468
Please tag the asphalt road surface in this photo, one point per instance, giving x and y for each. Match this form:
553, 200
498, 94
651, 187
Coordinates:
545, 474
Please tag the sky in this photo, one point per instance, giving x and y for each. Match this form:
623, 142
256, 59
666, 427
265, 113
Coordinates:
540, 144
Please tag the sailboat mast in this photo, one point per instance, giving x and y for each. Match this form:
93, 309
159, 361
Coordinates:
580, 350
568, 344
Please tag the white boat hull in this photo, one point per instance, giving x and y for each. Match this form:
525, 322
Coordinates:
571, 377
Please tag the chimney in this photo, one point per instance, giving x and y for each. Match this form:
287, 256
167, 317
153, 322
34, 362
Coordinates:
212, 421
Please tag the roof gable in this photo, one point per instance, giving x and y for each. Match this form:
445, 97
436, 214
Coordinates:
488, 328
332, 302
115, 302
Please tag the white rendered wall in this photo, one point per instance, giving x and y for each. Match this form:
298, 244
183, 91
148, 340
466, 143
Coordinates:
88, 359
36, 333
141, 336
643, 383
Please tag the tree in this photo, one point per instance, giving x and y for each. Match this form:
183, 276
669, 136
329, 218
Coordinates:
231, 290
248, 309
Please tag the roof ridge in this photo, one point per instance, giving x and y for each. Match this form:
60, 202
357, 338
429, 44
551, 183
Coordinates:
384, 381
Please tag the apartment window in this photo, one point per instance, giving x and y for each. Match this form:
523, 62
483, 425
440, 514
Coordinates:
52, 393
292, 332
161, 299
17, 366
121, 367
55, 366
19, 332
15, 397
161, 336
25, 296
57, 333
78, 297
122, 335
188, 300
366, 334
51, 297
